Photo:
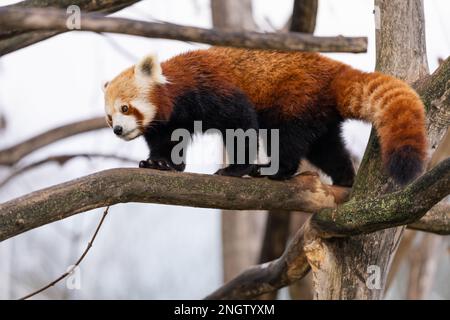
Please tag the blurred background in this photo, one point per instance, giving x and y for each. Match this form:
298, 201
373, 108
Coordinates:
149, 251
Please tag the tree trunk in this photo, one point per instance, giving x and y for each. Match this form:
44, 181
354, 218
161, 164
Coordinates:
424, 261
425, 256
233, 14
278, 228
357, 267
242, 231
304, 16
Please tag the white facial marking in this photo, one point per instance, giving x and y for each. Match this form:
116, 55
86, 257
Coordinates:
128, 123
146, 109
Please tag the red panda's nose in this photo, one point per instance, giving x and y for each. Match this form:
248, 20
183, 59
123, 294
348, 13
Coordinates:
118, 130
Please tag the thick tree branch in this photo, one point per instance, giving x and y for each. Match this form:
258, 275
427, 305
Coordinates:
270, 276
394, 209
12, 39
13, 154
303, 193
55, 20
292, 265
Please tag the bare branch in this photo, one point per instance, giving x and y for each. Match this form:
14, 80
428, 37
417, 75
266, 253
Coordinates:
61, 160
55, 20
12, 39
389, 210
270, 276
303, 193
80, 259
15, 153
437, 220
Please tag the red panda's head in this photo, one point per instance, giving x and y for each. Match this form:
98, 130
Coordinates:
127, 104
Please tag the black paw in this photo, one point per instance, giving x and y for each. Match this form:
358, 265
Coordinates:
256, 170
161, 164
236, 170
144, 164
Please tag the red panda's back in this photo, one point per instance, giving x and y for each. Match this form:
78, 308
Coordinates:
265, 76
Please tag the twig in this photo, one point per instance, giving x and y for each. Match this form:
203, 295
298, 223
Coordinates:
80, 259
61, 160
55, 20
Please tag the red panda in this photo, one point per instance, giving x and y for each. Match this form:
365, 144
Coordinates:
304, 95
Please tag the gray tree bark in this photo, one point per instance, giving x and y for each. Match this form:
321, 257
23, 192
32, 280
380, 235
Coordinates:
233, 14
304, 16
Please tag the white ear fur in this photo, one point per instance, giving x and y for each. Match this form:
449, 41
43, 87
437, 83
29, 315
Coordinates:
105, 85
149, 68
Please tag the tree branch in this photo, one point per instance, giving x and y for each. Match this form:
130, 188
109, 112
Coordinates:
394, 209
437, 220
302, 193
270, 276
12, 39
13, 154
55, 20
292, 265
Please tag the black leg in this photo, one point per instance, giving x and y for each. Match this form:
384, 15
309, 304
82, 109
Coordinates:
291, 147
242, 152
161, 147
330, 155
242, 141
291, 151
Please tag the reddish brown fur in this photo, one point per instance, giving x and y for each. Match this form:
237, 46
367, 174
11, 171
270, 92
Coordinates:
291, 81
390, 104
297, 82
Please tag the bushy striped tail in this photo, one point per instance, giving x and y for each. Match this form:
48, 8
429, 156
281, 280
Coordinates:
396, 112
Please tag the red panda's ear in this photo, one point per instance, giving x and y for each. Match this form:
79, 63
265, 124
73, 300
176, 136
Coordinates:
149, 68
105, 85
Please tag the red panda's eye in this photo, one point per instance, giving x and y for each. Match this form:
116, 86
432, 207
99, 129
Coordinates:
124, 108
